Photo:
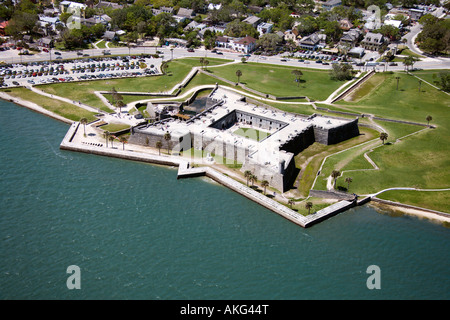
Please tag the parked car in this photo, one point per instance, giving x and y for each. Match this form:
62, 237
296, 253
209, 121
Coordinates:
190, 50
58, 53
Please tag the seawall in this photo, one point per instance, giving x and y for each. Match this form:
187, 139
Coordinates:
184, 171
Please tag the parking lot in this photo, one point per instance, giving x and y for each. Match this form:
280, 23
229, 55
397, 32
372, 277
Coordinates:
44, 72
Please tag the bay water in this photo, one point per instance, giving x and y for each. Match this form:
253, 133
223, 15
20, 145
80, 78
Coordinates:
136, 232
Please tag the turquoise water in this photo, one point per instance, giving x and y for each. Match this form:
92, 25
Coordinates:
137, 232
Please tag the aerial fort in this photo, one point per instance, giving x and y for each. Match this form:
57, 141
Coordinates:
262, 139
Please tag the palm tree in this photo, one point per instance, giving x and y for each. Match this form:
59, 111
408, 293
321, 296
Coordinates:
167, 137
348, 180
238, 74
123, 139
291, 202
202, 62
264, 184
335, 174
111, 138
429, 118
106, 134
206, 62
253, 179
398, 79
383, 136
159, 146
247, 174
420, 84
308, 206
84, 121
297, 74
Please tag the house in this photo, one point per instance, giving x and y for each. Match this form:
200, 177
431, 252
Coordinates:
103, 19
264, 28
252, 20
330, 4
291, 35
46, 42
372, 41
3, 26
350, 38
74, 7
395, 23
186, 13
110, 36
415, 14
213, 6
244, 45
162, 10
48, 24
105, 4
345, 24
194, 25
313, 41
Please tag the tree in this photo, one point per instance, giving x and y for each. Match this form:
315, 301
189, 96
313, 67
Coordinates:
420, 84
106, 134
409, 62
269, 41
243, 59
383, 136
398, 79
341, 71
84, 121
247, 174
335, 174
443, 80
253, 179
264, 184
308, 206
238, 74
167, 137
159, 146
291, 202
206, 63
429, 118
164, 67
297, 74
348, 180
120, 105
111, 138
123, 139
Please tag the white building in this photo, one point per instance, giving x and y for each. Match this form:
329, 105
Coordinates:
264, 28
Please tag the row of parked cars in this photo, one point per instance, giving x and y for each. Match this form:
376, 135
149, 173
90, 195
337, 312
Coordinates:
93, 68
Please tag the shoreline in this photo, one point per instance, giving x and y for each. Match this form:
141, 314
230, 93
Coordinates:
393, 207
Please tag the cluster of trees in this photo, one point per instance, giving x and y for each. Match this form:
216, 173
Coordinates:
341, 71
23, 17
435, 35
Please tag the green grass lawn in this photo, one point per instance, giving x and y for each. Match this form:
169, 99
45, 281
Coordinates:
63, 109
278, 80
252, 134
84, 91
420, 160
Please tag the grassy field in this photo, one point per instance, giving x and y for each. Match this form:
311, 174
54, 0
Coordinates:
84, 91
278, 80
63, 109
420, 160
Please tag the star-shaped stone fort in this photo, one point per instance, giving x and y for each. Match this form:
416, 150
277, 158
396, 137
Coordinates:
264, 140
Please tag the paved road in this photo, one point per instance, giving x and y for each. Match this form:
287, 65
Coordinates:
11, 56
